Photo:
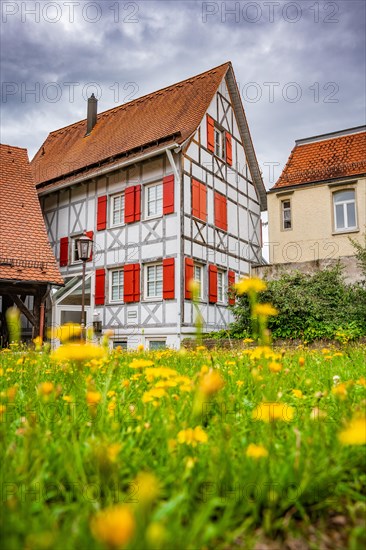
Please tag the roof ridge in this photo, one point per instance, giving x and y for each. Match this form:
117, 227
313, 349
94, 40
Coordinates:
13, 147
142, 98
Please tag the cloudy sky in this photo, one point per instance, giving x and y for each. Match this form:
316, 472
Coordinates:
300, 65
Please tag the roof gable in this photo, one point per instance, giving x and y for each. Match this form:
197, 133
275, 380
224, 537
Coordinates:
167, 116
172, 113
25, 252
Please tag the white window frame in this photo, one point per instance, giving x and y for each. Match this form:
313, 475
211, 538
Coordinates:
283, 210
200, 280
146, 281
111, 272
219, 149
146, 200
344, 203
221, 299
74, 249
157, 339
112, 210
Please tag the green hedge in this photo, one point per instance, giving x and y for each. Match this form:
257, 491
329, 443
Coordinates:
310, 307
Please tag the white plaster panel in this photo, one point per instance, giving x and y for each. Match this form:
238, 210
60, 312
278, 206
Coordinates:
187, 248
171, 226
63, 219
193, 151
151, 251
187, 227
210, 206
187, 165
206, 160
171, 311
133, 233
220, 186
152, 169
50, 202
198, 251
232, 194
198, 172
171, 247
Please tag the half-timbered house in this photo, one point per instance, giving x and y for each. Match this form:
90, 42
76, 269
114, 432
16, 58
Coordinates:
169, 188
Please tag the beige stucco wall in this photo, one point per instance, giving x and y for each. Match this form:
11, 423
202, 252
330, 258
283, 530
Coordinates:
312, 236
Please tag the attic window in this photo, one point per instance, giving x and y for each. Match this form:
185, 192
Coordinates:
219, 142
286, 214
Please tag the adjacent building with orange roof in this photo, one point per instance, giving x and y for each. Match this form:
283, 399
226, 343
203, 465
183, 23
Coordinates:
27, 265
169, 188
319, 200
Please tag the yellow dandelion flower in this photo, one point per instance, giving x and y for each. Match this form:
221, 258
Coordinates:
301, 361
111, 393
152, 394
125, 383
160, 372
141, 363
113, 451
140, 347
264, 310
78, 352
275, 367
148, 487
113, 526
66, 332
269, 412
192, 436
256, 451
250, 284
67, 398
355, 432
239, 383
211, 383
46, 388
361, 381
93, 397
340, 390
297, 393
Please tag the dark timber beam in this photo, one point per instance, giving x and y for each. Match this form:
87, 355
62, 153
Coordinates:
23, 308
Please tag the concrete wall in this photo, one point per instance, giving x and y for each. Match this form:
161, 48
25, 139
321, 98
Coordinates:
313, 235
351, 272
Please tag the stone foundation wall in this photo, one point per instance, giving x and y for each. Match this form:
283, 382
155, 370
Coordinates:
352, 272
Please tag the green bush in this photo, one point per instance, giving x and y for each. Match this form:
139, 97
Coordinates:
310, 307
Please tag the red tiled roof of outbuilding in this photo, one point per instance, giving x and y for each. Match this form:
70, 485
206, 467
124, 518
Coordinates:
25, 252
324, 158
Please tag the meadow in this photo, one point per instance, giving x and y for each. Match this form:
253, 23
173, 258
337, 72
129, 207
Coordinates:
257, 448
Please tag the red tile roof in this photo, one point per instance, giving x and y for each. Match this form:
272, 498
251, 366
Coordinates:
25, 252
175, 111
316, 159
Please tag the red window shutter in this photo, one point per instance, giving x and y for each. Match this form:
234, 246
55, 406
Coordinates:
217, 209
102, 213
220, 211
195, 198
133, 204
137, 203
188, 278
203, 202
229, 149
90, 234
99, 287
132, 283
64, 251
210, 134
168, 279
168, 194
212, 284
231, 283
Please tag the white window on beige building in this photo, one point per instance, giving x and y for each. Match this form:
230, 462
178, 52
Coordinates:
286, 214
345, 210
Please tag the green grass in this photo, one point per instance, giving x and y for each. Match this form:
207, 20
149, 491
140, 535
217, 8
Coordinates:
59, 466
